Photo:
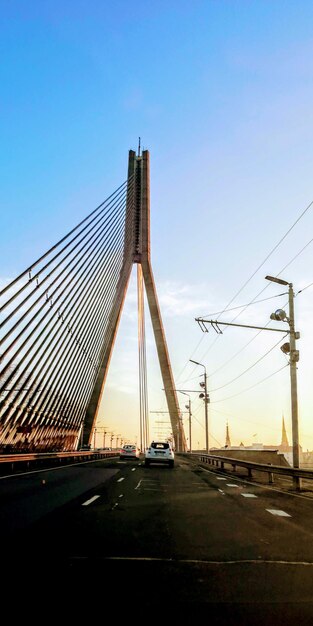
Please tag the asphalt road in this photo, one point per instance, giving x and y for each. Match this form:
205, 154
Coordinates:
189, 540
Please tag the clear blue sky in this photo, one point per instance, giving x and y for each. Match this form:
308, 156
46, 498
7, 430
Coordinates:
221, 95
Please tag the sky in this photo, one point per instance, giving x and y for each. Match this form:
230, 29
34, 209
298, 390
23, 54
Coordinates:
220, 93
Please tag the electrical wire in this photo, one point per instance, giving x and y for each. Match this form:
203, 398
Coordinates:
252, 386
270, 254
248, 368
303, 289
246, 305
252, 275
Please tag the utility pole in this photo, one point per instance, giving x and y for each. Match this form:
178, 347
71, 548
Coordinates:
287, 348
206, 401
105, 432
294, 358
188, 406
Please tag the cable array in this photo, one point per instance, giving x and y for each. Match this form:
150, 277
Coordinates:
143, 385
57, 315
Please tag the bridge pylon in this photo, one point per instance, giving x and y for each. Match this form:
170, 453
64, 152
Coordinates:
137, 250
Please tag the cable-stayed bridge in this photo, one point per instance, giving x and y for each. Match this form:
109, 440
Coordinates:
60, 317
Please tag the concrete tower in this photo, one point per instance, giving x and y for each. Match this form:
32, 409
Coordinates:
137, 250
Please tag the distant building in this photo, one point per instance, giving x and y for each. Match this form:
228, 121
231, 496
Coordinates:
283, 448
227, 441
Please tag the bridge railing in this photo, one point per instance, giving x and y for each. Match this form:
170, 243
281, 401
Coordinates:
18, 462
221, 461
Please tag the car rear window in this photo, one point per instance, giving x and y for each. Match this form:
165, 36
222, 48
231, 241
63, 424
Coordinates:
160, 446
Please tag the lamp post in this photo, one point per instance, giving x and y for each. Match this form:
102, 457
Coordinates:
105, 432
206, 401
293, 360
188, 406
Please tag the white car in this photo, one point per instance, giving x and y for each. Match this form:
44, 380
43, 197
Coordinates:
159, 452
129, 451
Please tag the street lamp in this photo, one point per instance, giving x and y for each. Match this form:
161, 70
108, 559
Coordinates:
105, 432
293, 360
188, 406
206, 401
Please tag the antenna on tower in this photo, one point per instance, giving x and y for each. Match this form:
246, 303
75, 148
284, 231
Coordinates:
139, 147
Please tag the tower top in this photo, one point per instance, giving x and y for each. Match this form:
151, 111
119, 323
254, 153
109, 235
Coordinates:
227, 442
284, 438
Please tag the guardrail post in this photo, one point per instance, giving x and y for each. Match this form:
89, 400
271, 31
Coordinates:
234, 467
249, 472
297, 483
270, 477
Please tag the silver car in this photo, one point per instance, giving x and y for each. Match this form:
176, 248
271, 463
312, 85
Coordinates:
129, 451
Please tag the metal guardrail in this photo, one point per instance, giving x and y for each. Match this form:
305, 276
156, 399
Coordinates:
11, 462
221, 461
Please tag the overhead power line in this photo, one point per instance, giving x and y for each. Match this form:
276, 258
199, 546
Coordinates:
247, 369
253, 274
252, 386
270, 254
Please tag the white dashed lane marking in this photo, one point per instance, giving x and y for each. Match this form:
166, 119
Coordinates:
90, 501
278, 512
120, 479
249, 495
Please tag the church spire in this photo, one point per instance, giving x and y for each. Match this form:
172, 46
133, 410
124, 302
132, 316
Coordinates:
227, 442
284, 438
